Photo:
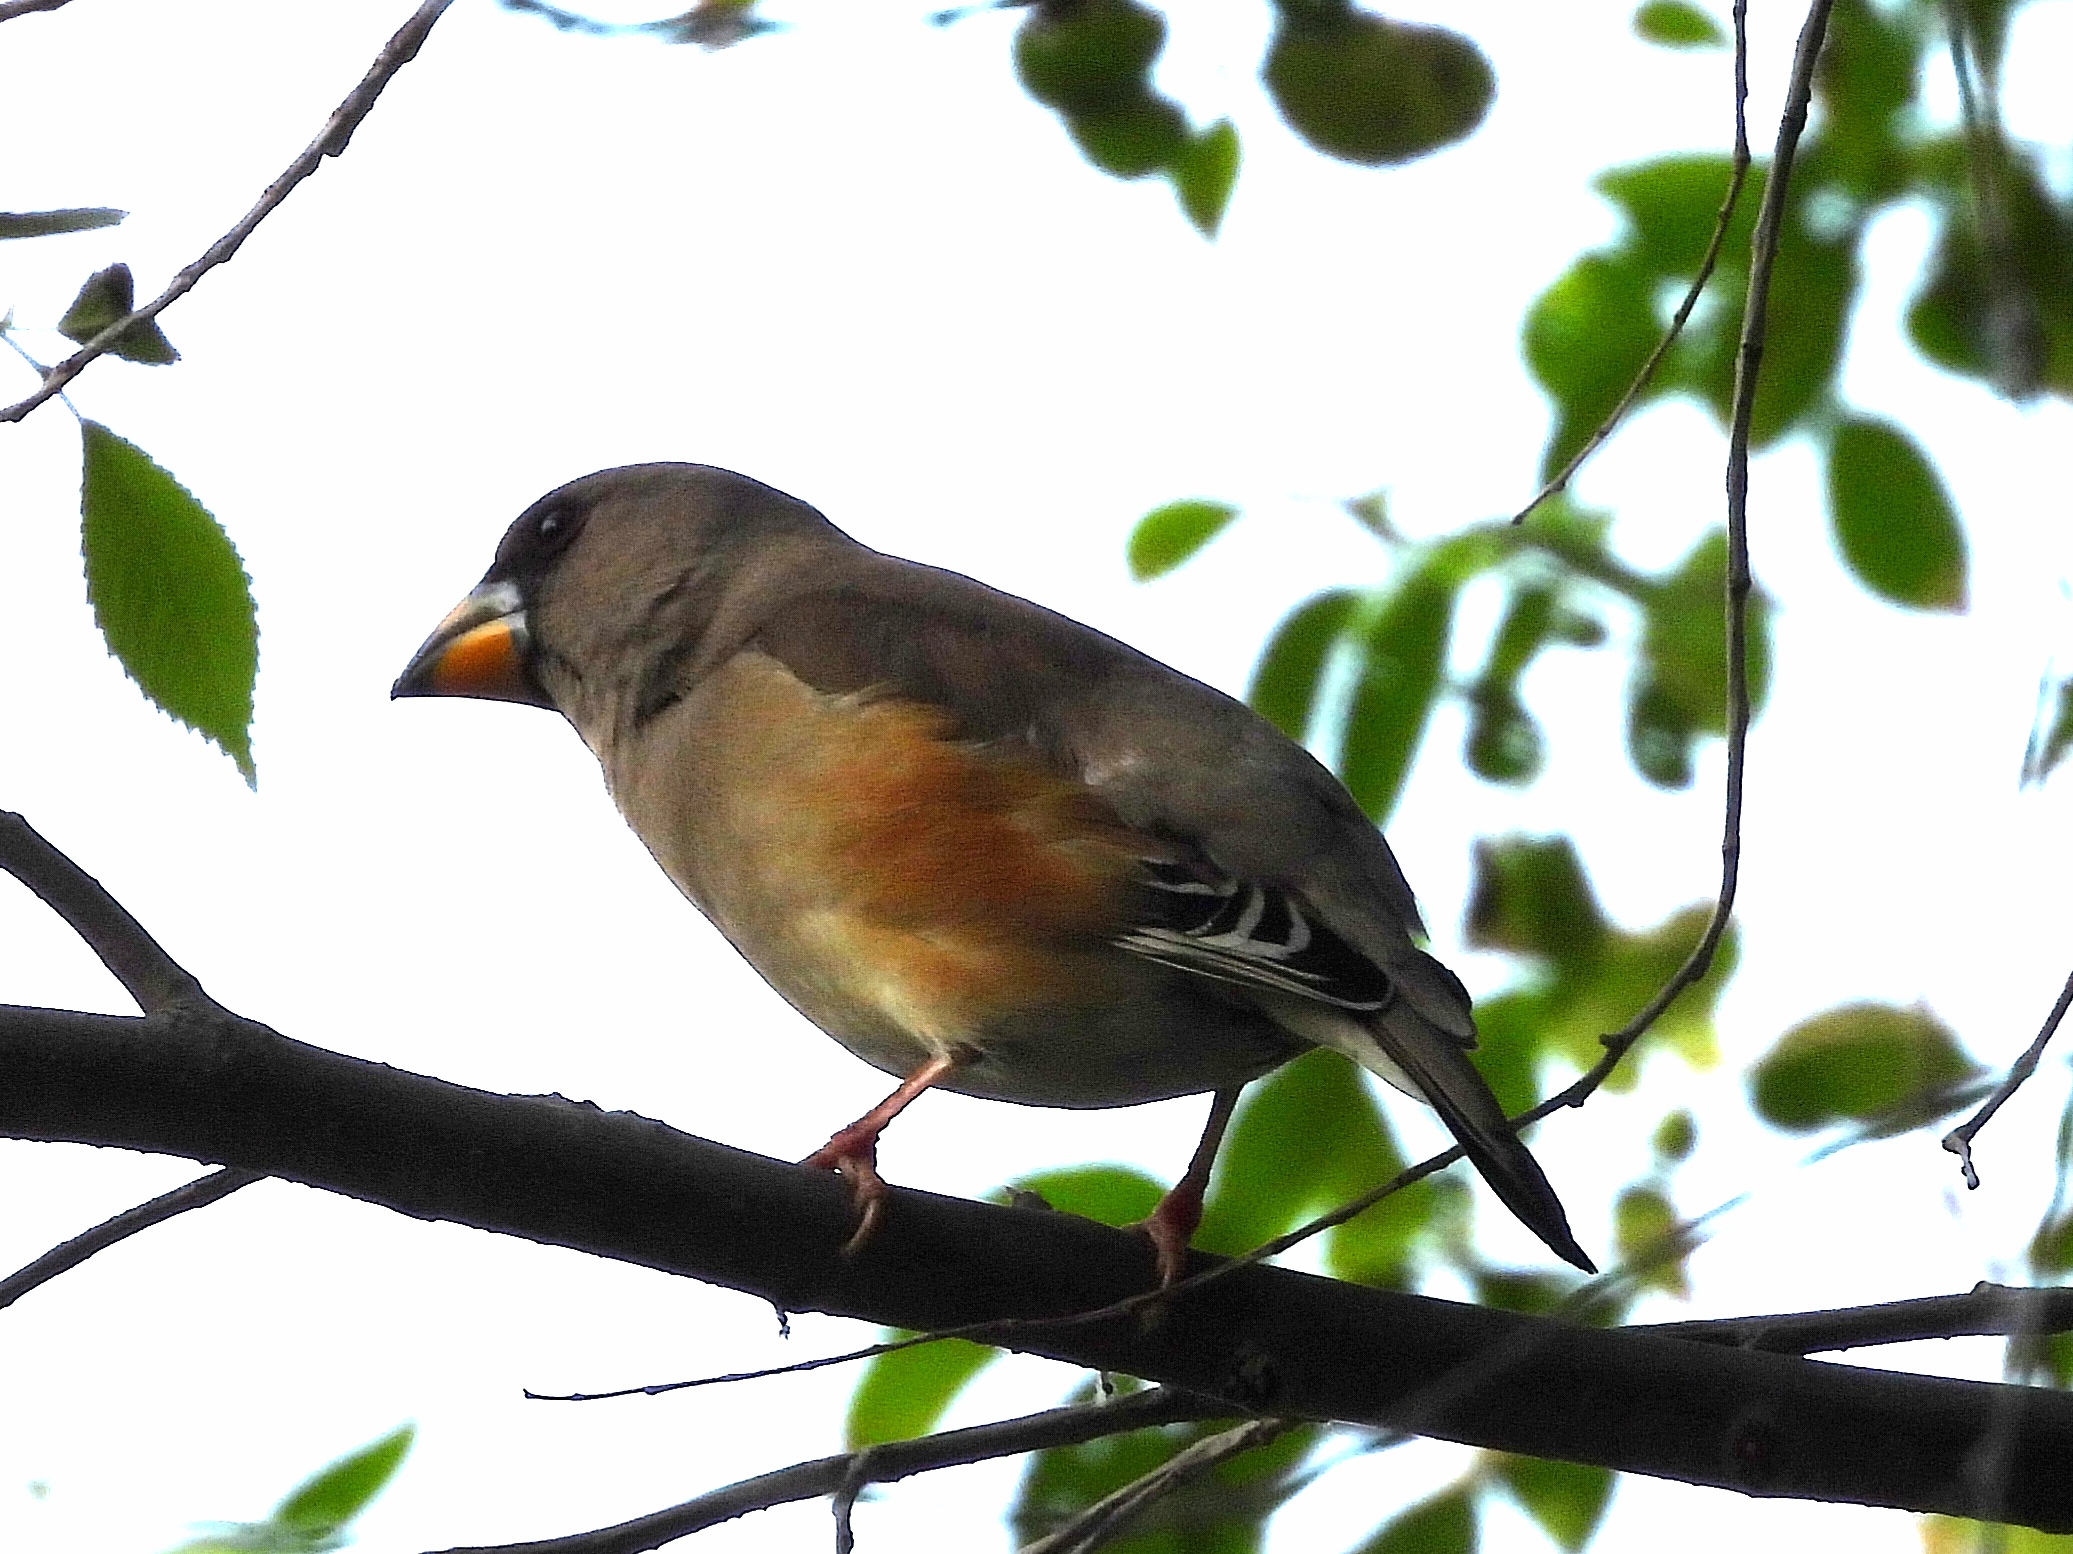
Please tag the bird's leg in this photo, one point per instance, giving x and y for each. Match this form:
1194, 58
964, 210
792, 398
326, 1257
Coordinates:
1172, 1224
853, 1151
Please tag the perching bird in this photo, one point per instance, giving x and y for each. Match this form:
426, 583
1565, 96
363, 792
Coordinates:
984, 847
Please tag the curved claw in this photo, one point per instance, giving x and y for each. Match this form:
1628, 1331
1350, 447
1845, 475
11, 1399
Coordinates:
856, 1162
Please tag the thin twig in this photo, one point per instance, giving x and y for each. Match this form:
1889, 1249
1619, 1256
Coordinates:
1985, 1311
1959, 1140
13, 8
1737, 177
331, 141
68, 1255
900, 1459
147, 973
1107, 1516
2013, 333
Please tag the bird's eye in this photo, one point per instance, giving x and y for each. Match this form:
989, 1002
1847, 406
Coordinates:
549, 526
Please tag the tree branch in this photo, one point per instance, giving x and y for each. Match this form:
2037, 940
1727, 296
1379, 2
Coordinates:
214, 1087
1113, 1512
68, 1255
879, 1465
331, 141
1985, 1311
1959, 1140
147, 973
1739, 174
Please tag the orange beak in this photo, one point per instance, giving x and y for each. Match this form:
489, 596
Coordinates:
482, 649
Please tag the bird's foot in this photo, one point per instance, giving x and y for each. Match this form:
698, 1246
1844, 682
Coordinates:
1170, 1227
853, 1155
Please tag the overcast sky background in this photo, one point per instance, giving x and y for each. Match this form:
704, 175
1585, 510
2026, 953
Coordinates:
853, 260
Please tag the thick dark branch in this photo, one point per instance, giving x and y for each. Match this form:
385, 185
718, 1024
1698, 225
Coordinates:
68, 1255
147, 973
1959, 1140
331, 141
213, 1087
879, 1465
13, 8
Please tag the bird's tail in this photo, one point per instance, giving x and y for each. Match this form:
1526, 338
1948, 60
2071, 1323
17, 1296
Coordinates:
1439, 1073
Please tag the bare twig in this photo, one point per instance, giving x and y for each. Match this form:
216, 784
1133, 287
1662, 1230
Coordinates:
1959, 1140
1737, 177
13, 8
1985, 1311
2015, 337
68, 1255
882, 1465
331, 141
1108, 1515
147, 973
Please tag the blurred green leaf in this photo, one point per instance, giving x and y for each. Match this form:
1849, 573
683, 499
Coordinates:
1677, 24
1954, 1535
1585, 338
1402, 654
169, 593
108, 295
1567, 1499
1892, 519
2051, 1249
1307, 1138
1135, 138
1672, 204
1080, 56
1445, 1524
1366, 89
1223, 1512
1645, 1232
1679, 690
905, 1393
1675, 1137
315, 1517
1858, 1062
1869, 65
48, 223
1110, 1194
1205, 173
328, 1501
1529, 1292
1167, 536
1504, 743
1289, 675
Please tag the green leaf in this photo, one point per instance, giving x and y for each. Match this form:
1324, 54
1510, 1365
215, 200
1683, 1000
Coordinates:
1568, 1499
108, 295
1675, 1137
1111, 1194
1167, 536
1859, 1062
47, 223
1530, 897
1204, 175
903, 1394
1402, 655
1445, 1524
1370, 90
1082, 57
1672, 204
1892, 519
327, 1502
1504, 743
1650, 1245
1585, 338
1954, 1535
1677, 24
1290, 673
169, 593
1679, 690
1135, 138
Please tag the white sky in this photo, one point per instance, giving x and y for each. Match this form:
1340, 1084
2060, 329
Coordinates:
855, 261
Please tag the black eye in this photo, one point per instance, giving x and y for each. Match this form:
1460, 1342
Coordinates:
550, 526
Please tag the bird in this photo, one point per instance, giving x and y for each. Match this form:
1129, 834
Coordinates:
986, 848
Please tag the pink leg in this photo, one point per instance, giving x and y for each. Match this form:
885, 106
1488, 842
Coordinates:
1172, 1225
853, 1152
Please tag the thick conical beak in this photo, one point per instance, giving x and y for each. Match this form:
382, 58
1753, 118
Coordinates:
481, 649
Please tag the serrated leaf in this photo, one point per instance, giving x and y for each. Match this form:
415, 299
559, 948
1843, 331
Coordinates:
48, 223
1859, 1062
1893, 522
1677, 24
331, 1498
107, 296
169, 593
1205, 173
1167, 536
1567, 1499
903, 1394
1402, 655
1289, 676
1445, 1524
